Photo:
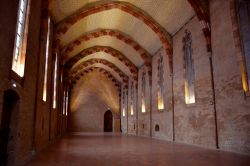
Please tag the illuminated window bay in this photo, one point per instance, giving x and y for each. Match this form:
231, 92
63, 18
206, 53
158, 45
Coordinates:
160, 84
123, 104
243, 14
46, 62
189, 69
55, 84
132, 99
18, 62
143, 107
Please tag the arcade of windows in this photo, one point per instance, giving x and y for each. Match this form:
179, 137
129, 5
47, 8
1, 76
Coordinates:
18, 62
20, 52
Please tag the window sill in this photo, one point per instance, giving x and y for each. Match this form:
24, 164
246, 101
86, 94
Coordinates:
14, 76
190, 104
247, 94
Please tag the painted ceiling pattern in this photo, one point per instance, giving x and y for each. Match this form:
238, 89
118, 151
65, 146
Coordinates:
122, 35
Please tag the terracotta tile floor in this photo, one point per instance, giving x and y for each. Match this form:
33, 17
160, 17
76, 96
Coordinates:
85, 149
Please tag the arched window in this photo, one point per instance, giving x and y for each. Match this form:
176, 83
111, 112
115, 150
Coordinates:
18, 61
143, 107
132, 98
243, 12
55, 83
160, 84
189, 69
64, 102
45, 80
67, 103
123, 103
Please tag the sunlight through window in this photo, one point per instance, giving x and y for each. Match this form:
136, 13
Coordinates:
46, 63
18, 62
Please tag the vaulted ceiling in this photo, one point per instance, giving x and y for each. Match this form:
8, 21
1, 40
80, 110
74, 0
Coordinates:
118, 36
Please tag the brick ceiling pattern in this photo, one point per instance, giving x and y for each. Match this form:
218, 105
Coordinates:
90, 62
126, 8
69, 49
132, 27
115, 74
77, 77
109, 50
144, 21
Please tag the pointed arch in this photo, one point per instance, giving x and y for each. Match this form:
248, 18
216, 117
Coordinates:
112, 33
203, 16
109, 50
102, 61
96, 7
82, 73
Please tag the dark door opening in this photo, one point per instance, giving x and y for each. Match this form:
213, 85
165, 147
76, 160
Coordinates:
108, 121
10, 104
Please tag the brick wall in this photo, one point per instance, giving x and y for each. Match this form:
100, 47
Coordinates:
91, 97
21, 150
193, 123
144, 117
196, 123
124, 108
163, 118
132, 119
233, 108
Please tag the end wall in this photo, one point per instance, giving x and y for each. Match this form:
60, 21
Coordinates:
90, 98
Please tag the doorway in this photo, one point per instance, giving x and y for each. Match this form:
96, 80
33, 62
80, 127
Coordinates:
108, 121
10, 105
